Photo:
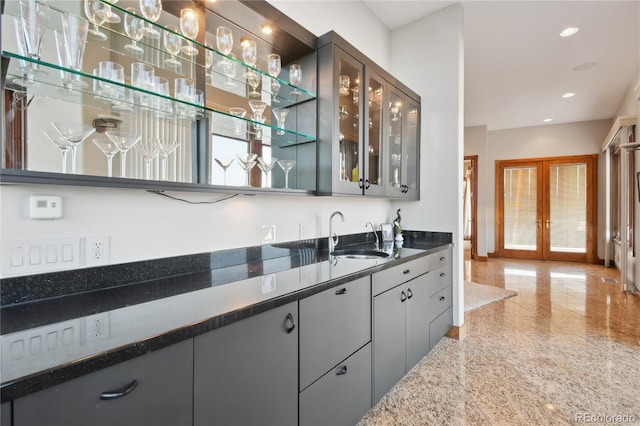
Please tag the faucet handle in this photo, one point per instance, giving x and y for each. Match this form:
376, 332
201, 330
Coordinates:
334, 237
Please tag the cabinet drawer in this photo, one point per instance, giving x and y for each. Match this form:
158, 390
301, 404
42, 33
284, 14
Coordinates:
439, 259
389, 278
163, 395
342, 396
439, 279
333, 325
439, 302
440, 326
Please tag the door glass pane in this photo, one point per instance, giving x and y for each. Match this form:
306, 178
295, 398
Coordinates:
568, 208
395, 112
375, 127
520, 208
411, 150
348, 114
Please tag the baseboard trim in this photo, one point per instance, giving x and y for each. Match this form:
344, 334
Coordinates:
482, 258
492, 255
457, 332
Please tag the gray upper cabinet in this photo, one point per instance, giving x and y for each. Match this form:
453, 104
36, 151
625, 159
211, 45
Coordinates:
154, 389
368, 126
246, 373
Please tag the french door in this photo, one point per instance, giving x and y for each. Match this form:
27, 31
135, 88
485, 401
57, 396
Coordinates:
546, 208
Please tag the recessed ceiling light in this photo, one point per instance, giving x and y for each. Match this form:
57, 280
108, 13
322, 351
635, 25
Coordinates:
568, 95
569, 31
548, 120
267, 29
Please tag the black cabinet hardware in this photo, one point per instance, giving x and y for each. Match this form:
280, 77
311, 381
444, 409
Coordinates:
291, 321
341, 291
409, 294
403, 296
119, 393
341, 370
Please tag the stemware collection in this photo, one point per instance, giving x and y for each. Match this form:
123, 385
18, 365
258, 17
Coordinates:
111, 82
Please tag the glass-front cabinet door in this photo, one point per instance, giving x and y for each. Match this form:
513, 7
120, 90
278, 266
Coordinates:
395, 112
374, 125
411, 150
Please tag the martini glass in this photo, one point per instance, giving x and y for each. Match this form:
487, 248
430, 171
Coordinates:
148, 150
109, 149
247, 161
63, 145
166, 147
286, 165
74, 133
281, 115
257, 107
224, 162
124, 141
237, 123
266, 165
254, 81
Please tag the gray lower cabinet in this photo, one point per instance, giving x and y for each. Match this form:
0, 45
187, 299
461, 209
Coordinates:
246, 373
154, 389
5, 414
418, 318
340, 397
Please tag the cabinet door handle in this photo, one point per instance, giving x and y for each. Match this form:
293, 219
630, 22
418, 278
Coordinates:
290, 320
441, 258
406, 271
119, 393
442, 274
341, 291
341, 370
360, 183
442, 297
367, 184
403, 296
409, 293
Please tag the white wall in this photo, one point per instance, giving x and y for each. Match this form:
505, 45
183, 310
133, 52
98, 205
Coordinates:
557, 140
436, 74
475, 143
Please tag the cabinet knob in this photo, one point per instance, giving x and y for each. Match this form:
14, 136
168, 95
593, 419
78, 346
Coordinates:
442, 297
119, 393
341, 370
442, 274
406, 271
441, 258
403, 296
409, 294
290, 323
341, 291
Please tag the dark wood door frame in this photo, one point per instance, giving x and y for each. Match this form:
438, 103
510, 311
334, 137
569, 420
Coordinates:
474, 205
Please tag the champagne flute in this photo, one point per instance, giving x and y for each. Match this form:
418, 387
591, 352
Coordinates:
275, 88
63, 145
224, 162
133, 26
295, 77
230, 69
61, 51
172, 44
208, 60
224, 43
75, 30
74, 133
96, 14
189, 27
286, 165
151, 9
249, 52
124, 141
109, 149
34, 17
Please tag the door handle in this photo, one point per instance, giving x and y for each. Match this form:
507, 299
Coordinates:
289, 319
119, 393
547, 223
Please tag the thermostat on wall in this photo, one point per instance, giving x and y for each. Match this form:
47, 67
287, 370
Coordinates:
45, 207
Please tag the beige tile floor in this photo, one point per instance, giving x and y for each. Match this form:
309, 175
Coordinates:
566, 350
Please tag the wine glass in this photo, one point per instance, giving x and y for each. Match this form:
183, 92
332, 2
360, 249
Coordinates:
286, 165
189, 28
275, 88
148, 150
266, 165
224, 162
281, 115
224, 43
63, 145
74, 133
208, 59
166, 147
249, 52
134, 27
75, 30
109, 149
124, 141
151, 9
172, 44
247, 161
237, 123
109, 15
230, 68
96, 14
274, 65
254, 81
295, 77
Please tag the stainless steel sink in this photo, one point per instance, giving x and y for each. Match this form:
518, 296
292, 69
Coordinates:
359, 254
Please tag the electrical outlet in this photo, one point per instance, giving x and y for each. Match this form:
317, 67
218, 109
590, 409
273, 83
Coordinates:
95, 327
268, 234
96, 251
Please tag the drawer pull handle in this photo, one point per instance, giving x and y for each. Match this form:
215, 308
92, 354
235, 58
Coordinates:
290, 319
442, 297
341, 291
441, 258
406, 271
409, 294
442, 274
341, 370
403, 296
119, 393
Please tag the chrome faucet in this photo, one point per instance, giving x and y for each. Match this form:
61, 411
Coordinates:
377, 246
333, 238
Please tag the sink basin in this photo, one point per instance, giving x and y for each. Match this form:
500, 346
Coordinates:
359, 254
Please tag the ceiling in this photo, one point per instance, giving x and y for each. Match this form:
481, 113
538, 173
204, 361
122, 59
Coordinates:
517, 67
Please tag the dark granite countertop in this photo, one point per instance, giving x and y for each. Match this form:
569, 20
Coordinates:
151, 304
